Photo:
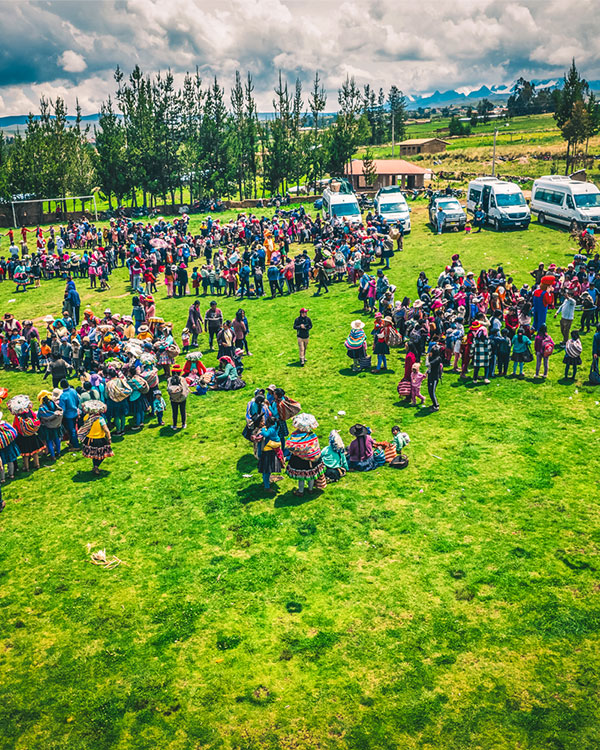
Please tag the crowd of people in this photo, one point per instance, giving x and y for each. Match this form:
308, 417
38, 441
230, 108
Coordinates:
299, 452
455, 322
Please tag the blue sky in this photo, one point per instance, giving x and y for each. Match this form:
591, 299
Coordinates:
70, 48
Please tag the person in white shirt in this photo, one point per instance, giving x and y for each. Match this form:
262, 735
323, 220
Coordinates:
567, 314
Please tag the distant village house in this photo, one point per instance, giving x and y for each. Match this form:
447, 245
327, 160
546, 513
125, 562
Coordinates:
387, 172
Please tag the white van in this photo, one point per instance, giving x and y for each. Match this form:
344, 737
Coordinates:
563, 200
340, 204
391, 205
503, 202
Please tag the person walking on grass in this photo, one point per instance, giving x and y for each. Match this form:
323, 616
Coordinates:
572, 358
213, 320
302, 326
543, 346
94, 434
520, 352
567, 315
178, 391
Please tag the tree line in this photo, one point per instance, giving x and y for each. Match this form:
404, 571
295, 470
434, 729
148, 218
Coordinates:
155, 140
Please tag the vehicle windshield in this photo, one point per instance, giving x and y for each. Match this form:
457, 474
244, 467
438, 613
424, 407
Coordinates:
510, 199
392, 208
345, 209
587, 200
450, 205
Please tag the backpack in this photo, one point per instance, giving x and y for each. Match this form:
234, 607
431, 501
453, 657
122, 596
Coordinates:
144, 387
594, 374
547, 347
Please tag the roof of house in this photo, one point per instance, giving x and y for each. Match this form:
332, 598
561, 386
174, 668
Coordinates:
420, 141
386, 166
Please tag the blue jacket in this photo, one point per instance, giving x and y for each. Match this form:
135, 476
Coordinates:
69, 402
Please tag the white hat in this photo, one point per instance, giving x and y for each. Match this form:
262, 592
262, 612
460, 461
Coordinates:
358, 325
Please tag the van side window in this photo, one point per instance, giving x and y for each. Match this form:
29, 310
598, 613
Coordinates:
475, 195
549, 196
570, 203
492, 201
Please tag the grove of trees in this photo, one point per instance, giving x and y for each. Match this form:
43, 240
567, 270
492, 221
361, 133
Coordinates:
154, 140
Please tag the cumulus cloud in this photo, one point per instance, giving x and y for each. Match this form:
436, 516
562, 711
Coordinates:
74, 47
72, 62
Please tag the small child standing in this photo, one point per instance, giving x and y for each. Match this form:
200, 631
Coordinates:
400, 440
416, 378
185, 340
158, 405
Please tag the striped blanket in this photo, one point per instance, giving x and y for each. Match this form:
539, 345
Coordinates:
304, 445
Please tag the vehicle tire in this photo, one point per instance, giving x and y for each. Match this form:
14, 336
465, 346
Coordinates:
541, 219
496, 225
574, 226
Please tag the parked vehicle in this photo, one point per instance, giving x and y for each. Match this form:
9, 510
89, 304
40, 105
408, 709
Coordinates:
563, 200
339, 202
503, 203
391, 205
455, 217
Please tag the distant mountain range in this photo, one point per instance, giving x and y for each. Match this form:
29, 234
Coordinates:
497, 94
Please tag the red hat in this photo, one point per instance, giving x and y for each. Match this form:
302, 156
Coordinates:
303, 310
176, 369
548, 280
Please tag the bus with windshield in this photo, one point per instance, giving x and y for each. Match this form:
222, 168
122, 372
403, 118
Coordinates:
503, 203
562, 200
391, 205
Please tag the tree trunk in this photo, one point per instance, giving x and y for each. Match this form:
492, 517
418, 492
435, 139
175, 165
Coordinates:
567, 162
173, 198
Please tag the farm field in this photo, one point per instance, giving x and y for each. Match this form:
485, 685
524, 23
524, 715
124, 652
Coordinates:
450, 605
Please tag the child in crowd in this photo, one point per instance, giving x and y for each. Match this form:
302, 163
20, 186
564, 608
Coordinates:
400, 440
185, 341
158, 405
416, 378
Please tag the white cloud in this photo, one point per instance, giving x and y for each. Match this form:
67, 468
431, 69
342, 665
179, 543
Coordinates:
72, 62
418, 46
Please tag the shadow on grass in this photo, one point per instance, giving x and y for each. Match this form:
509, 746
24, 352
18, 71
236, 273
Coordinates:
349, 372
425, 411
166, 431
293, 364
256, 492
565, 381
405, 403
289, 500
246, 464
87, 476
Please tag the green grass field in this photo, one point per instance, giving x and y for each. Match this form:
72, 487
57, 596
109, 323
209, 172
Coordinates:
453, 605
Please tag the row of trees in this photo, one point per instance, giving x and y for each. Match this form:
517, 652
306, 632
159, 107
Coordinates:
577, 114
156, 139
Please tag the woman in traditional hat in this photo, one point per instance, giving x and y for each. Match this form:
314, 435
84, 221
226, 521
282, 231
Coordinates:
270, 455
50, 416
27, 426
356, 343
95, 435
361, 449
305, 462
9, 449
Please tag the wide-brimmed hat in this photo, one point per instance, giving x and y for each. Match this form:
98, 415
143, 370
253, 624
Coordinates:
94, 406
43, 394
19, 404
357, 325
194, 356
417, 303
388, 319
358, 430
143, 329
271, 387
305, 422
48, 319
176, 369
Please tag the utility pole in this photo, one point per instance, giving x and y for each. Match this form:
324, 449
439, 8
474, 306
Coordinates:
392, 134
494, 156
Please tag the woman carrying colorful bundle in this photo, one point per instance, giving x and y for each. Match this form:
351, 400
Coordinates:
51, 417
305, 462
9, 450
27, 426
356, 343
94, 434
228, 379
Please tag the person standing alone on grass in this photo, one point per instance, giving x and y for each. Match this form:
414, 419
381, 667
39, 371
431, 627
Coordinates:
213, 320
302, 326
